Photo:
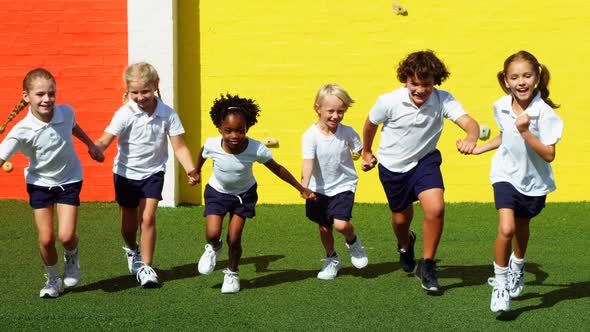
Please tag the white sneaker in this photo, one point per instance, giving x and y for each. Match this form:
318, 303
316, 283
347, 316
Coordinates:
209, 259
515, 281
330, 269
231, 282
500, 297
133, 259
358, 257
147, 277
71, 269
53, 287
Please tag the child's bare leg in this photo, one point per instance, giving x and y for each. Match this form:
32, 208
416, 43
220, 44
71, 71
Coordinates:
67, 220
213, 224
506, 230
44, 222
433, 206
327, 239
147, 211
129, 224
234, 241
521, 236
400, 222
345, 228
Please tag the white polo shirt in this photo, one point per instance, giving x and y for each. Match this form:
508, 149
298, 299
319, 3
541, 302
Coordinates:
143, 139
232, 173
48, 146
409, 133
333, 169
515, 162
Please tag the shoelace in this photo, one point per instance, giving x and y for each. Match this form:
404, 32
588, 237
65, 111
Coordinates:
514, 279
145, 269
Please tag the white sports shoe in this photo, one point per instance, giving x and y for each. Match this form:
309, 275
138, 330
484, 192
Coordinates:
231, 282
133, 259
358, 257
500, 297
330, 269
53, 287
71, 269
147, 277
515, 281
209, 259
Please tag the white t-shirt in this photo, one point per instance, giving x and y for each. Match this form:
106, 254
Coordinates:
143, 139
232, 173
409, 133
333, 168
515, 161
48, 146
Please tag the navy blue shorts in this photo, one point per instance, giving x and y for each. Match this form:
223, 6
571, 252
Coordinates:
42, 197
507, 197
402, 189
218, 203
325, 209
129, 192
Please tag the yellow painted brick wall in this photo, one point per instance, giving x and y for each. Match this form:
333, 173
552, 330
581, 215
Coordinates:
279, 53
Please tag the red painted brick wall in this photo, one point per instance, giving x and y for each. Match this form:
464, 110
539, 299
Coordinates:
83, 44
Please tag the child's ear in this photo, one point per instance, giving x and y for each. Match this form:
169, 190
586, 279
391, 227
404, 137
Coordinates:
219, 129
26, 97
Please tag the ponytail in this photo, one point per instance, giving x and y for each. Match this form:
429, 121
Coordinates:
543, 84
19, 107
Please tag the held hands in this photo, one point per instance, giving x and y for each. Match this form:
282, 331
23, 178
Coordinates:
95, 153
308, 194
369, 161
466, 146
194, 177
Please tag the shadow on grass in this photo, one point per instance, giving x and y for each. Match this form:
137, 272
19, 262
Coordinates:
292, 275
573, 291
124, 282
475, 275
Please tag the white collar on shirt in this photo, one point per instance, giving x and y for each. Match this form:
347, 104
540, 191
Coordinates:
37, 124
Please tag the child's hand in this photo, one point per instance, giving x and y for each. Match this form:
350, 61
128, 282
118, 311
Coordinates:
369, 161
95, 153
466, 146
308, 194
522, 122
194, 177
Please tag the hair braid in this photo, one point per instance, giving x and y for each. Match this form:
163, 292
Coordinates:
19, 107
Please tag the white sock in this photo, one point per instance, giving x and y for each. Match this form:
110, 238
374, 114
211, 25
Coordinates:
501, 273
53, 271
516, 264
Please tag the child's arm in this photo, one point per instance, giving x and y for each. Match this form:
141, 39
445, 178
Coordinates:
94, 152
104, 141
200, 162
493, 144
470, 126
286, 176
369, 130
183, 155
547, 152
306, 171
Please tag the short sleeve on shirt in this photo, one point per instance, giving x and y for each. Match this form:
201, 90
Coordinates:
118, 123
176, 127
452, 109
550, 127
308, 145
264, 154
378, 114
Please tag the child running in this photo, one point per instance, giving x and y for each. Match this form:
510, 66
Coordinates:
328, 170
409, 168
232, 186
54, 174
521, 173
143, 125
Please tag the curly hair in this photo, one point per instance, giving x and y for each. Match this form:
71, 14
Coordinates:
228, 104
422, 64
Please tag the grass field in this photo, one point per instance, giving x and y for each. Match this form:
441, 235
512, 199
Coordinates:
280, 261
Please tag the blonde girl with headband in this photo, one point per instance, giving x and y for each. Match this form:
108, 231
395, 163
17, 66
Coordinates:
54, 174
521, 173
143, 126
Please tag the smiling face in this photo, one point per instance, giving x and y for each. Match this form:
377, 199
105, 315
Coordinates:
143, 93
420, 89
40, 94
521, 79
233, 133
331, 112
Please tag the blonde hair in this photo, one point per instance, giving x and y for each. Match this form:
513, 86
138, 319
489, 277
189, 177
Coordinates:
332, 89
141, 71
27, 81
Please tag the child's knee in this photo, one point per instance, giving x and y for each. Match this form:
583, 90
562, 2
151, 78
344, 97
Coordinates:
47, 240
506, 231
